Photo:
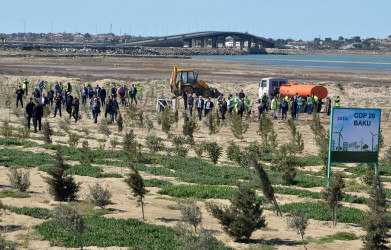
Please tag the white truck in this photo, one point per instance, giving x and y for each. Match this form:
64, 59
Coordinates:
271, 86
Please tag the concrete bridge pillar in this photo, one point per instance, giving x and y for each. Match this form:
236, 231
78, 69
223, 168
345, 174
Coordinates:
214, 41
241, 44
249, 43
193, 43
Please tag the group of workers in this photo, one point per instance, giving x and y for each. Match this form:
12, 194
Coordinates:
240, 104
61, 97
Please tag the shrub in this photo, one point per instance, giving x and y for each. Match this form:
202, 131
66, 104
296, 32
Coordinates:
85, 154
198, 148
179, 146
285, 161
298, 222
242, 217
131, 148
23, 133
99, 196
19, 180
167, 120
297, 138
61, 186
190, 213
64, 125
73, 139
6, 129
71, 220
136, 183
369, 173
189, 127
7, 245
375, 222
321, 139
120, 123
154, 143
333, 194
233, 152
214, 123
104, 127
214, 151
47, 132
148, 123
238, 126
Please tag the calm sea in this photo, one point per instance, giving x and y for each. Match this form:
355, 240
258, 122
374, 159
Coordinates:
334, 62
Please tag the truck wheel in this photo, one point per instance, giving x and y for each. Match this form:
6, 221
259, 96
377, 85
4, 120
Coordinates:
188, 90
205, 93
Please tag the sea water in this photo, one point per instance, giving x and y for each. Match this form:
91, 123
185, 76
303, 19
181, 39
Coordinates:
333, 62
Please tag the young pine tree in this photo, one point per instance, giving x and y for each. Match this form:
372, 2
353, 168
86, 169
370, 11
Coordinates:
189, 127
136, 183
213, 149
47, 132
334, 194
131, 148
376, 222
86, 157
61, 185
321, 139
167, 120
266, 186
242, 217
238, 126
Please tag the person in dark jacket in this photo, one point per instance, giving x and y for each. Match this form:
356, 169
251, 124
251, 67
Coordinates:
29, 112
109, 107
102, 96
293, 108
75, 105
208, 106
133, 92
37, 116
97, 91
95, 108
44, 100
114, 109
184, 96
190, 102
19, 96
113, 91
36, 94
57, 104
240, 108
241, 94
223, 108
200, 106
69, 102
57, 88
50, 97
328, 106
284, 108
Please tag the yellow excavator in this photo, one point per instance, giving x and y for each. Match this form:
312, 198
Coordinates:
185, 80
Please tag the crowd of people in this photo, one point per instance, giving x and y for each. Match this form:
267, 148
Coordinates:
61, 97
240, 104
98, 98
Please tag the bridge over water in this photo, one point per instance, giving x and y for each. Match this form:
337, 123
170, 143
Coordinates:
212, 39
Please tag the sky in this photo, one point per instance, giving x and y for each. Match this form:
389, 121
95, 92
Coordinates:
300, 19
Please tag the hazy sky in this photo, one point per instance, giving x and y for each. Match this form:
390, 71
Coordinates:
295, 19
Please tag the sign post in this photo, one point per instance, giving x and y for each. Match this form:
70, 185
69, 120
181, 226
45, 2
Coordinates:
354, 137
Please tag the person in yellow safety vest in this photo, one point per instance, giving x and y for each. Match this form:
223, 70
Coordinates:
219, 99
230, 104
26, 86
237, 99
138, 87
287, 100
299, 104
247, 106
309, 104
278, 99
274, 107
316, 102
337, 102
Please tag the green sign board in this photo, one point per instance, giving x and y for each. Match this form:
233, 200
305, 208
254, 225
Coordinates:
354, 136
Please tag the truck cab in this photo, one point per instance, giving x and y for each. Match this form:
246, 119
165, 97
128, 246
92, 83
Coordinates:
271, 86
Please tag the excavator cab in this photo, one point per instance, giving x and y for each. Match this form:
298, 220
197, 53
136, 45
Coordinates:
185, 80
